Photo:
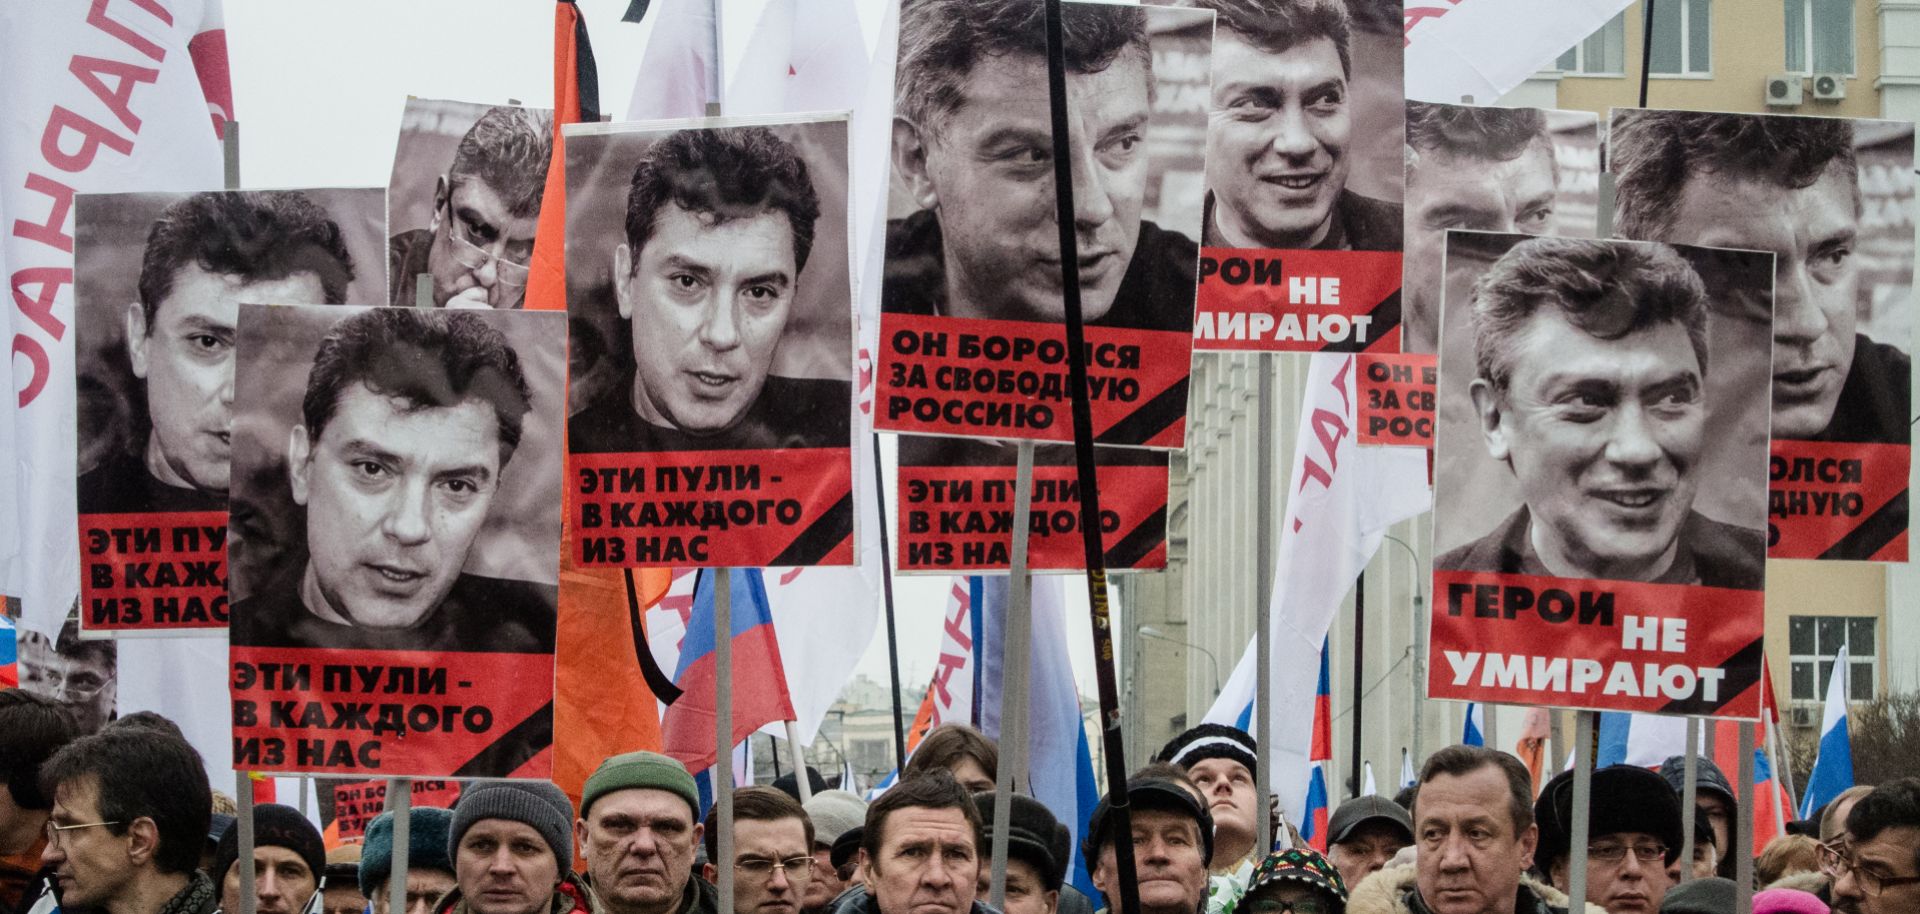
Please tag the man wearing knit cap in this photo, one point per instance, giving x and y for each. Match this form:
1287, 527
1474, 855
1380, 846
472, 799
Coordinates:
833, 813
288, 858
1172, 844
429, 869
1633, 837
1295, 881
512, 852
638, 828
1033, 872
1220, 761
1364, 834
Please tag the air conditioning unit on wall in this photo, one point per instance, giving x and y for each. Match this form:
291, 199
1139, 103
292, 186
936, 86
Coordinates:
1829, 87
1804, 715
1783, 91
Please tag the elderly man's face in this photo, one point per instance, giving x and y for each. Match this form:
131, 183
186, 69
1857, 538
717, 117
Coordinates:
1629, 884
480, 249
1603, 437
80, 678
987, 170
639, 846
395, 497
706, 303
1471, 855
1027, 892
1812, 232
1277, 140
185, 355
424, 887
1366, 851
1446, 191
1169, 859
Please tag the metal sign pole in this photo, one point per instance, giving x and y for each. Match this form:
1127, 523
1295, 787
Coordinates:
243, 800
723, 734
800, 778
1583, 727
400, 803
1016, 661
1263, 595
1743, 835
1689, 796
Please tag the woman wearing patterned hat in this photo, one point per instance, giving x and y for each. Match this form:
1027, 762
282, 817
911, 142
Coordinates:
1294, 881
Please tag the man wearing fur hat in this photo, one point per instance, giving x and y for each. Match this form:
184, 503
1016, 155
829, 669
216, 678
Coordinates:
1633, 838
1473, 825
429, 869
512, 852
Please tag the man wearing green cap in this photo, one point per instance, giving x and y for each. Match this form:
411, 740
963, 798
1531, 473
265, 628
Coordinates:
638, 828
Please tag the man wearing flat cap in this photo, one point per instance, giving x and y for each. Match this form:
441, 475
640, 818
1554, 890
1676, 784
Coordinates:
1172, 845
639, 823
1633, 837
512, 853
429, 869
1364, 834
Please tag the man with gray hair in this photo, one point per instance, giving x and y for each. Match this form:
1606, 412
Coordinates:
485, 209
1485, 169
1279, 131
1591, 362
973, 147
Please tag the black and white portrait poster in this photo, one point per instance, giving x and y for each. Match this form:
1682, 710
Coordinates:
159, 280
1529, 170
395, 548
709, 291
82, 675
972, 326
1302, 238
1575, 504
1832, 198
464, 200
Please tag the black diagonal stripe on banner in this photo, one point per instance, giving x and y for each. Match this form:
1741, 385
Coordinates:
1386, 316
513, 748
657, 679
1150, 419
1874, 533
1134, 547
1743, 673
821, 536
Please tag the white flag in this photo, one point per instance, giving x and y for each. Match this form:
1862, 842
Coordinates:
1484, 48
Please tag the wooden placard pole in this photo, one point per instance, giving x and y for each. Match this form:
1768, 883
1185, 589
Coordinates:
1016, 662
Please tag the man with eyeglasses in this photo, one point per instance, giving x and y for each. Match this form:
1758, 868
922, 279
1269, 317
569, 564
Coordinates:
131, 809
1633, 836
485, 209
772, 851
1878, 869
638, 826
79, 675
32, 729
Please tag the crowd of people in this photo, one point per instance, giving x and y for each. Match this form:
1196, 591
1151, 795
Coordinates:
122, 822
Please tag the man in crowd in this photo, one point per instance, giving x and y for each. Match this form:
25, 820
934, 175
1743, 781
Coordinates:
1475, 834
924, 850
205, 255
962, 751
288, 858
485, 209
130, 811
833, 813
1220, 761
1365, 833
1591, 389
340, 884
1485, 169
1633, 837
719, 226
771, 839
1790, 185
1034, 873
1279, 130
1880, 872
1172, 845
972, 147
1714, 804
512, 852
32, 729
409, 418
429, 869
639, 823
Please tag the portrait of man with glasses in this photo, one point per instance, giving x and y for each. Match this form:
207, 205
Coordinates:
1633, 838
486, 204
80, 675
1875, 863
772, 851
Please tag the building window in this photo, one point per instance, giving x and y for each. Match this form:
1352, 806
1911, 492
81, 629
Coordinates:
1602, 54
1820, 36
1812, 642
1682, 38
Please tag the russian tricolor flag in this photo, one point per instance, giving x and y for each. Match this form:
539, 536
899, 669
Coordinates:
1833, 768
1313, 826
759, 680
